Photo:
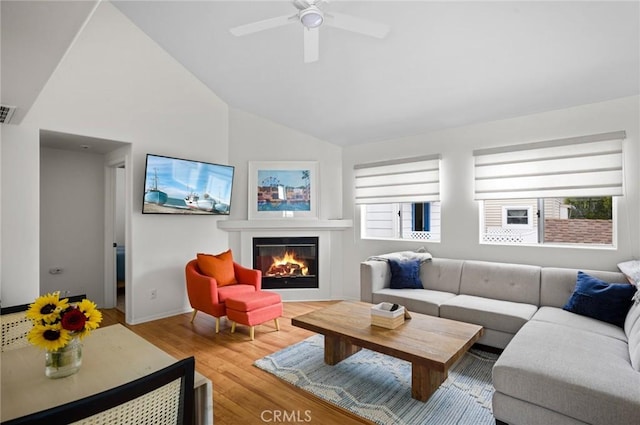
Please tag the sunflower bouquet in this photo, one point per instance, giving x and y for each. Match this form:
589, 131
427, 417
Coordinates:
56, 322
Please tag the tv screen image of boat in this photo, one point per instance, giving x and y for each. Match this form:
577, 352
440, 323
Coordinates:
182, 186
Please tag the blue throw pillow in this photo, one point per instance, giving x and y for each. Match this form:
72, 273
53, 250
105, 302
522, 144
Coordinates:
405, 274
592, 297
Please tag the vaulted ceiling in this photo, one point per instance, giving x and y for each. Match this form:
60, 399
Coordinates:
443, 64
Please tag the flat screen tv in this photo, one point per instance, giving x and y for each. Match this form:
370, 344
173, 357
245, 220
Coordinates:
182, 186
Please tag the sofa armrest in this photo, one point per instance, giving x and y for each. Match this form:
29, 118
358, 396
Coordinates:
374, 275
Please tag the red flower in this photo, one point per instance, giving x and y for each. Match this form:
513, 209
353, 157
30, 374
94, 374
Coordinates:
73, 320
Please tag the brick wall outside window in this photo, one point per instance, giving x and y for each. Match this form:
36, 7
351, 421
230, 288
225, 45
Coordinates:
585, 231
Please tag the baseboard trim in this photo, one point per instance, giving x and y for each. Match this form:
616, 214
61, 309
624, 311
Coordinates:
164, 315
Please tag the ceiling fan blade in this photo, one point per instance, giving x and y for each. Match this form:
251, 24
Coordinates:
359, 25
311, 45
301, 4
263, 25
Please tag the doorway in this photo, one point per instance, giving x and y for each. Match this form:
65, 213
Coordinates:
117, 225
119, 237
77, 243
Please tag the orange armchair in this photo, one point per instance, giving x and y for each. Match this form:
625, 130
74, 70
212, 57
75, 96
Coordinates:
205, 295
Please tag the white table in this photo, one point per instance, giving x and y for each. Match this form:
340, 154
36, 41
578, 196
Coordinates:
111, 356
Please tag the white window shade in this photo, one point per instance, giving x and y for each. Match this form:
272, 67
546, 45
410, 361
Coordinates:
401, 180
576, 167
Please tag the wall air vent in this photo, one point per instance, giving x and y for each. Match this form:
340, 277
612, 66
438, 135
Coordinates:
6, 112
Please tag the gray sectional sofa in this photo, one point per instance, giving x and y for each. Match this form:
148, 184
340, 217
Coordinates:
557, 367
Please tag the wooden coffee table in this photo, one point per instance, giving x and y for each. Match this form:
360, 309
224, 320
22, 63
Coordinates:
430, 343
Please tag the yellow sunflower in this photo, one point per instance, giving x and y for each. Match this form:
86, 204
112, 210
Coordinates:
49, 337
47, 308
93, 315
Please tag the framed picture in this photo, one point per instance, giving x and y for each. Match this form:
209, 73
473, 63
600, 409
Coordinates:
183, 186
287, 189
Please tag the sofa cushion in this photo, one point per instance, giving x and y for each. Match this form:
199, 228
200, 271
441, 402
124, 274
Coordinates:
632, 321
505, 316
442, 274
422, 301
557, 284
580, 374
576, 321
634, 353
508, 282
405, 274
514, 411
632, 330
592, 297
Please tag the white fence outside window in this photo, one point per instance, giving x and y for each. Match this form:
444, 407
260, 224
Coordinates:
509, 235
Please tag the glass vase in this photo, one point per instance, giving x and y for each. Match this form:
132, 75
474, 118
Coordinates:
64, 361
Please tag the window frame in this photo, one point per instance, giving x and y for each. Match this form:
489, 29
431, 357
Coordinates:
603, 247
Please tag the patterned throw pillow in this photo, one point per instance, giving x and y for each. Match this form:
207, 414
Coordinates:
632, 270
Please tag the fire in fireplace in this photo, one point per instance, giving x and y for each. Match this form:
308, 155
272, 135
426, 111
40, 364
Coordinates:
287, 266
287, 262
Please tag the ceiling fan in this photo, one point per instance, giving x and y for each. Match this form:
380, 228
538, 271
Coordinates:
312, 16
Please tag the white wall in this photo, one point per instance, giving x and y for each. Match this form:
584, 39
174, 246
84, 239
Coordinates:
20, 212
252, 138
116, 84
72, 222
459, 238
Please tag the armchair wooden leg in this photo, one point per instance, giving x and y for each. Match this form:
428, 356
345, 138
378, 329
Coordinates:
193, 316
277, 324
252, 332
217, 324
233, 327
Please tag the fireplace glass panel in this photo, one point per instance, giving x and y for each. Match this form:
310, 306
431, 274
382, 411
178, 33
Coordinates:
287, 262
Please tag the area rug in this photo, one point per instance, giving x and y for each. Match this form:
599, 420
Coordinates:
378, 387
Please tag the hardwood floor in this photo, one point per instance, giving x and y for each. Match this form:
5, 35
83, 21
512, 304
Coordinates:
242, 393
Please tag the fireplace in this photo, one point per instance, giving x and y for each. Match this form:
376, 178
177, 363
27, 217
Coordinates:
287, 262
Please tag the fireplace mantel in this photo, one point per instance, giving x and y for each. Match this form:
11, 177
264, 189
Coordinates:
242, 233
277, 224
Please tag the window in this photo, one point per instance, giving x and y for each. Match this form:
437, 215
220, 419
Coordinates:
516, 217
553, 192
411, 221
585, 221
420, 217
399, 199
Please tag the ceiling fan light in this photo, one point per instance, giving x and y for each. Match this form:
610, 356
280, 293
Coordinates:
311, 17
